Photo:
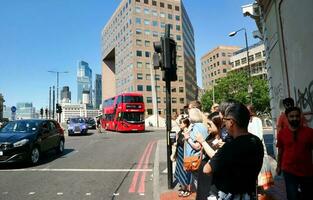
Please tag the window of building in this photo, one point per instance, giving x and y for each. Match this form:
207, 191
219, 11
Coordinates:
138, 20
177, 27
139, 53
169, 6
139, 76
146, 1
139, 88
155, 23
146, 22
180, 79
162, 14
224, 70
181, 100
147, 11
138, 42
147, 54
147, 43
223, 54
137, 9
149, 111
258, 55
237, 63
263, 52
148, 65
138, 31
177, 17
243, 60
181, 89
139, 64
224, 62
218, 63
148, 88
137, 0
178, 37
154, 3
149, 99
174, 89
154, 13
162, 25
158, 88
155, 34
174, 100
217, 55
157, 77
169, 16
251, 58
147, 32
148, 76
161, 4
177, 8
159, 100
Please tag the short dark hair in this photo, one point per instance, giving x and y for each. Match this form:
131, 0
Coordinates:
288, 102
225, 104
185, 121
239, 113
289, 110
196, 104
216, 119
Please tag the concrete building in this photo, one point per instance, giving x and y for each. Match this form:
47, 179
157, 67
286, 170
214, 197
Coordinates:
98, 91
77, 110
25, 111
66, 95
284, 26
84, 81
256, 59
127, 49
215, 64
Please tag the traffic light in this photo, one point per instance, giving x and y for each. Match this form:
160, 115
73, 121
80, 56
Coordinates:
46, 112
58, 108
165, 57
41, 112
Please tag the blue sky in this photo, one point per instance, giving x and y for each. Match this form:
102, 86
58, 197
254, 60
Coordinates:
37, 36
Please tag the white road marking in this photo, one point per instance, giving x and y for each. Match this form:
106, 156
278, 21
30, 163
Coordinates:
88, 194
76, 170
142, 194
60, 193
116, 194
31, 193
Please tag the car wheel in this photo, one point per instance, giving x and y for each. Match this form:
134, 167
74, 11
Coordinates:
60, 148
34, 155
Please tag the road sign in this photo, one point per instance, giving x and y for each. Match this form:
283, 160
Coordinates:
13, 109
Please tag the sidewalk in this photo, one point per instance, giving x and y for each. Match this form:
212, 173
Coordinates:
161, 191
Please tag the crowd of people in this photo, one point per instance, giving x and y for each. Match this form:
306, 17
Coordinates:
231, 154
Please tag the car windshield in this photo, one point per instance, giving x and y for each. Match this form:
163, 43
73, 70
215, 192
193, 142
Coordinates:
133, 116
20, 127
132, 99
77, 120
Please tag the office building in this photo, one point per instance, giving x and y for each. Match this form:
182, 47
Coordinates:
66, 95
77, 110
256, 60
84, 81
215, 64
127, 49
1, 106
98, 91
25, 111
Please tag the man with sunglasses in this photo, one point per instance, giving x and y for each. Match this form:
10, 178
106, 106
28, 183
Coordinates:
236, 165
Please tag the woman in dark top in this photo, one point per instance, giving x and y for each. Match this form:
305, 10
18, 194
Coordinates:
183, 177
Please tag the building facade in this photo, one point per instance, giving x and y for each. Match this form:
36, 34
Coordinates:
284, 26
127, 49
84, 80
1, 107
215, 64
98, 91
256, 60
77, 110
66, 95
25, 111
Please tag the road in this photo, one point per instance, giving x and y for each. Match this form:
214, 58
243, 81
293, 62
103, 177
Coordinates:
97, 166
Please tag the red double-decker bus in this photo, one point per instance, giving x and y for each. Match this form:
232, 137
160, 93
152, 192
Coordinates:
124, 112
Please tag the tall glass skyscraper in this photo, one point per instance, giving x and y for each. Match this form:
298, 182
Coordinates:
84, 81
98, 90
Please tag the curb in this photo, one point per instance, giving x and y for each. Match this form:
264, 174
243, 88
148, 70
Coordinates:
156, 178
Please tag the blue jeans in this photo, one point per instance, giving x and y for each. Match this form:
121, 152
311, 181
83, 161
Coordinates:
293, 183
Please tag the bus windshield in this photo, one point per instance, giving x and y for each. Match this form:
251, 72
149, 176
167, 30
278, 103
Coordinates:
132, 99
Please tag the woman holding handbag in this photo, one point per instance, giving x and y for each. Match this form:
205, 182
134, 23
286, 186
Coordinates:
183, 177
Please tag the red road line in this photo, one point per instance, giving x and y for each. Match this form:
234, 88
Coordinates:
141, 188
133, 184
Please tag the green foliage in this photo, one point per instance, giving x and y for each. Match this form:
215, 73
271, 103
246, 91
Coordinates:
235, 86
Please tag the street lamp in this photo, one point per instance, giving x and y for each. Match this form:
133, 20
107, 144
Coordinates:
58, 72
250, 89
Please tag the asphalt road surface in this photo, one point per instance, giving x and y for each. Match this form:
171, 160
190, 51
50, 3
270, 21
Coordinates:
97, 166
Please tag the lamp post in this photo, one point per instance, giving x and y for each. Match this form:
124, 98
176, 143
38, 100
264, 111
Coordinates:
250, 89
57, 73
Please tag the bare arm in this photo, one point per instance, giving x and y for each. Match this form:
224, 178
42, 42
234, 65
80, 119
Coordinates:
279, 156
207, 169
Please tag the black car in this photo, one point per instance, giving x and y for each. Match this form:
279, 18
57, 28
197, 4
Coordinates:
26, 140
91, 123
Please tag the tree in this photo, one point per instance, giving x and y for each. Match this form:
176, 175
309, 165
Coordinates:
235, 86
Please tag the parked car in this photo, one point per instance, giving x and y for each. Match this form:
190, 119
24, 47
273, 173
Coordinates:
26, 140
77, 126
91, 123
